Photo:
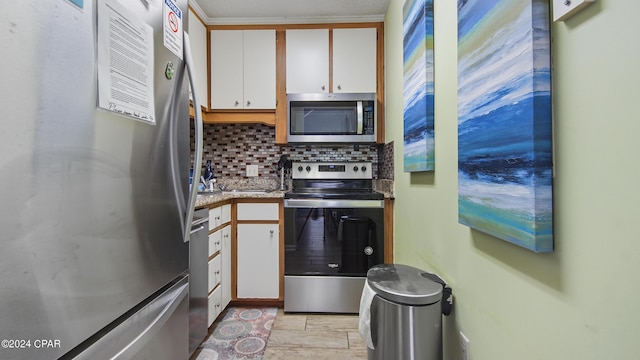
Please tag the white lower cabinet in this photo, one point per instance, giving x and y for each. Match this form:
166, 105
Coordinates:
219, 266
215, 242
258, 261
215, 306
225, 266
214, 272
258, 211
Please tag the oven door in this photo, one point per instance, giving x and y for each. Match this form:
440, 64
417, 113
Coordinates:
333, 237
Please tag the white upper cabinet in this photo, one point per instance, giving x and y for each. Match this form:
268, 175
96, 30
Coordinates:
260, 69
307, 61
243, 69
198, 41
354, 60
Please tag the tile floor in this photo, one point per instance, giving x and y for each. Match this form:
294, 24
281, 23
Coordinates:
311, 336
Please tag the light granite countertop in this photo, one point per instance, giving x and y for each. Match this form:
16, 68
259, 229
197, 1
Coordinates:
206, 199
203, 200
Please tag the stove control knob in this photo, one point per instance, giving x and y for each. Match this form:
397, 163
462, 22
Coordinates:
355, 168
300, 168
364, 168
308, 168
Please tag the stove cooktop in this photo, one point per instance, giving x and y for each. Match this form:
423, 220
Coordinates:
333, 180
364, 194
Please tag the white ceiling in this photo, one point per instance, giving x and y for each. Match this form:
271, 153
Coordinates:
216, 12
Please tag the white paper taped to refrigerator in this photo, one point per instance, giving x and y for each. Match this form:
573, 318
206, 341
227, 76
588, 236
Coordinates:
125, 62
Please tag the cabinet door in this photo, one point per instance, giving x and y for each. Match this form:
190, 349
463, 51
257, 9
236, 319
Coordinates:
225, 265
198, 41
258, 261
227, 69
307, 61
259, 69
225, 213
354, 60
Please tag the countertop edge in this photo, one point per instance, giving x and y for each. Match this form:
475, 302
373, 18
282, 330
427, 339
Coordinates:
204, 200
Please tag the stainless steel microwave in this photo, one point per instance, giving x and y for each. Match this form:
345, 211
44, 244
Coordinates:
331, 118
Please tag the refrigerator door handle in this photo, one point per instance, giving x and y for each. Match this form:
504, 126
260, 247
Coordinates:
197, 121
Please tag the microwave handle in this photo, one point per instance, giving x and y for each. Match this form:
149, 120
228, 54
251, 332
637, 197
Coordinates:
360, 117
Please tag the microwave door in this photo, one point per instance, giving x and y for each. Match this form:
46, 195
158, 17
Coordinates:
331, 118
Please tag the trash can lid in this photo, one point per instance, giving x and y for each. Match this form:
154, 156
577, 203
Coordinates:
403, 284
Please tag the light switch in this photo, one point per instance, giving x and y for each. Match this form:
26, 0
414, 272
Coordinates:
563, 9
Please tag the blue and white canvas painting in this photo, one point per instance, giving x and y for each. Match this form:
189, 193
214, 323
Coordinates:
504, 121
418, 85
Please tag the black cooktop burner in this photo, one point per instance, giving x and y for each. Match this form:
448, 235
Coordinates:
357, 195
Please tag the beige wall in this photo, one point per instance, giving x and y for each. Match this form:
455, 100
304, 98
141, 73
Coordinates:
583, 300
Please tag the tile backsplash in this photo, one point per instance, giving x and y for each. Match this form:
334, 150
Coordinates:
231, 147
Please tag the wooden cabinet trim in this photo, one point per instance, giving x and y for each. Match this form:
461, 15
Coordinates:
388, 231
278, 117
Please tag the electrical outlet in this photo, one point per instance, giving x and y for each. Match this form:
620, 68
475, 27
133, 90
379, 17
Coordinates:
464, 347
252, 170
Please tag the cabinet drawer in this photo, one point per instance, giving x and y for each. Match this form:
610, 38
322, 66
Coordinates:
215, 242
215, 217
258, 211
214, 272
219, 215
214, 306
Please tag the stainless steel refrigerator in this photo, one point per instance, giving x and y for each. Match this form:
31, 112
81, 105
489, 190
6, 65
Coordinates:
95, 207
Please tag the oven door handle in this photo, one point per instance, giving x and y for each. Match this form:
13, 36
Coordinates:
333, 203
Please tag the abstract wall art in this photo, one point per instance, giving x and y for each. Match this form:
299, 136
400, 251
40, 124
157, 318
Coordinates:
418, 85
504, 121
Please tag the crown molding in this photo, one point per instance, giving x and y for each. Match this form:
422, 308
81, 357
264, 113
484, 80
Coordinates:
282, 20
294, 20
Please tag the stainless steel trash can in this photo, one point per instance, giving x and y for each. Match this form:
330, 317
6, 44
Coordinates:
406, 313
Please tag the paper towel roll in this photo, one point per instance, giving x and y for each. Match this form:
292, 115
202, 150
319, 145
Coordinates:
364, 318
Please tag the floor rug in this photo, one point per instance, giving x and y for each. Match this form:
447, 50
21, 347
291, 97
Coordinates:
242, 334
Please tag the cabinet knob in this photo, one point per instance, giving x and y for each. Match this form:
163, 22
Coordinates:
271, 232
323, 87
248, 103
236, 103
339, 87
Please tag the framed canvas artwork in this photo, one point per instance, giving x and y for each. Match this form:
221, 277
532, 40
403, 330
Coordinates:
418, 85
504, 121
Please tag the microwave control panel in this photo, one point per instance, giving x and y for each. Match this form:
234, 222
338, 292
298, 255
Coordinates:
368, 118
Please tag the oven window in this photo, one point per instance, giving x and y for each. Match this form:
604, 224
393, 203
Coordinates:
333, 241
323, 118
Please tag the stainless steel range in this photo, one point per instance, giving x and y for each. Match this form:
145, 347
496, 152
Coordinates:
334, 232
